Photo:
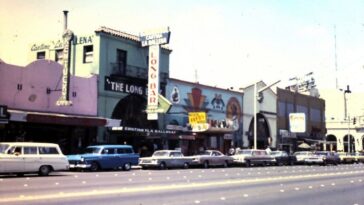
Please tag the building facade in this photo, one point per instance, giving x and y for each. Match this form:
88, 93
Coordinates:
121, 66
266, 114
29, 95
222, 127
289, 102
344, 120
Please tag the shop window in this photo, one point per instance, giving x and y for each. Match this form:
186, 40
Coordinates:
41, 55
88, 54
59, 56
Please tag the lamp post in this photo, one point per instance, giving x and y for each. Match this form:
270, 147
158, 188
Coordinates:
346, 113
256, 98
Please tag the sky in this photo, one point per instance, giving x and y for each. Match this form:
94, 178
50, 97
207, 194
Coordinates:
223, 43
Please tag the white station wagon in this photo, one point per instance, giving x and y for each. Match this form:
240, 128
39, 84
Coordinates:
28, 157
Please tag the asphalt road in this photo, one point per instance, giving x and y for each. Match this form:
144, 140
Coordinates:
308, 185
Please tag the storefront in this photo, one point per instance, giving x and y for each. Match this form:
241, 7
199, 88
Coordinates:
221, 125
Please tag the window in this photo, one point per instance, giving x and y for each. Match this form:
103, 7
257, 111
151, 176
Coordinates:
30, 150
121, 59
41, 55
88, 54
108, 151
48, 150
59, 56
124, 151
315, 115
281, 109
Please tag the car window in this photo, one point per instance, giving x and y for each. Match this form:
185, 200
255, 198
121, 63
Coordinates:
160, 154
108, 151
124, 151
15, 149
48, 150
175, 154
30, 150
3, 148
92, 150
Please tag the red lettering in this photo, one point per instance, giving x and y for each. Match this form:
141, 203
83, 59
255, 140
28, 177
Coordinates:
152, 100
153, 61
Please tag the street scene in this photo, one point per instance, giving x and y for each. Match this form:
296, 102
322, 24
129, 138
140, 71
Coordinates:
181, 102
259, 185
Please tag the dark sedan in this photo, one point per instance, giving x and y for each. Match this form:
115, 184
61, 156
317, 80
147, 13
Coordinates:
283, 158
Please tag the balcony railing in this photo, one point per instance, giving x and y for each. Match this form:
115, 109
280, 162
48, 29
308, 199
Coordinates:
119, 69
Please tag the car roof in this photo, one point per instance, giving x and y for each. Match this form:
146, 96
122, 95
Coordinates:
110, 146
29, 143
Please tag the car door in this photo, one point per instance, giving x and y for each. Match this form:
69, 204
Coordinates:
13, 160
108, 158
31, 158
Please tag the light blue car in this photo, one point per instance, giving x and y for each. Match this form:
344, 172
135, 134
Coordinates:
103, 157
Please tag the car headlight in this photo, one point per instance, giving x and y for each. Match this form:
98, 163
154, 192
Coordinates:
82, 159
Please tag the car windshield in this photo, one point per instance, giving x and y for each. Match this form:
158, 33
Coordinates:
92, 150
160, 154
244, 152
320, 153
3, 148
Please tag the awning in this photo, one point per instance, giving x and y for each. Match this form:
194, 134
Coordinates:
304, 145
59, 119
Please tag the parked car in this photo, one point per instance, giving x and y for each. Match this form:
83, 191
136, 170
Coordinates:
359, 157
301, 156
346, 158
103, 157
29, 157
163, 159
249, 157
209, 158
323, 158
283, 158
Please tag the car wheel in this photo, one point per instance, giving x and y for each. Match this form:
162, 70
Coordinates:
127, 167
206, 164
247, 163
226, 164
94, 167
162, 165
185, 165
44, 170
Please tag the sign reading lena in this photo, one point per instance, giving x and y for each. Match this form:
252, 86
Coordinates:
59, 44
112, 84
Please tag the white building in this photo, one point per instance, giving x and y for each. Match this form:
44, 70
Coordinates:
344, 127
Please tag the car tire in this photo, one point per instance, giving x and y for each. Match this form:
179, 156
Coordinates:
44, 170
186, 165
127, 167
206, 164
247, 163
226, 164
94, 167
162, 165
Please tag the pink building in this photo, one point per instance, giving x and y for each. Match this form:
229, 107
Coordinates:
30, 94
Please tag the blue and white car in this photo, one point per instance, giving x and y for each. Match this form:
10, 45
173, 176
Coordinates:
103, 157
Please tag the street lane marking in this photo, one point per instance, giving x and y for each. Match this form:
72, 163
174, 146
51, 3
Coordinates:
166, 187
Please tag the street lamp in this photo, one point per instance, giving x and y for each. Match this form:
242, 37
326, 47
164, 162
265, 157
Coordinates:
346, 114
257, 97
